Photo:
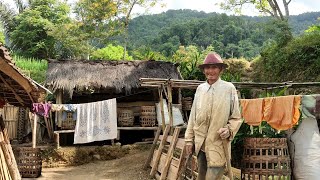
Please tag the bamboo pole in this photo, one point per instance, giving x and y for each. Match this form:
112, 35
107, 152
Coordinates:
8, 153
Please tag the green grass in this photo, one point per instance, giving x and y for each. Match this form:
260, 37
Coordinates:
32, 67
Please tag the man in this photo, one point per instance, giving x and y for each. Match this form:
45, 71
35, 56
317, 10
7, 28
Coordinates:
214, 118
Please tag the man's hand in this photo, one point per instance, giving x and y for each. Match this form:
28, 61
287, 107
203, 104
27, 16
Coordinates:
189, 149
224, 133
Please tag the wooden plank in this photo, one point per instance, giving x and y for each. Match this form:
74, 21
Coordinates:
64, 131
137, 128
158, 155
154, 144
170, 153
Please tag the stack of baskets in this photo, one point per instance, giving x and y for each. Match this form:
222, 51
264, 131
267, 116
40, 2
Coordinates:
148, 116
29, 162
265, 158
125, 117
186, 103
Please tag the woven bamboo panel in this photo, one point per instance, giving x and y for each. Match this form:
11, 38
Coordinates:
125, 117
186, 103
22, 119
11, 120
148, 116
29, 162
265, 158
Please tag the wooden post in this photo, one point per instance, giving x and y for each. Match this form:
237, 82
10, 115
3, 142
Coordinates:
158, 155
7, 152
34, 131
169, 89
59, 101
161, 109
179, 96
154, 144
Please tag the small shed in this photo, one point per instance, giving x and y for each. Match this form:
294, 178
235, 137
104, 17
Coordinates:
84, 81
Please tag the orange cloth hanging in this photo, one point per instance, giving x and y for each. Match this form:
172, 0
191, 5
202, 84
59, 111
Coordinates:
282, 112
252, 111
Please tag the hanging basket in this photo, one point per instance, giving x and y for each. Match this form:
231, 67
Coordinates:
264, 158
29, 162
148, 116
125, 117
186, 103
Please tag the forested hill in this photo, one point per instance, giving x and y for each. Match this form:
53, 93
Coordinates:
243, 34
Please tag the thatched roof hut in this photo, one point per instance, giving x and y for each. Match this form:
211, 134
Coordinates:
93, 76
15, 87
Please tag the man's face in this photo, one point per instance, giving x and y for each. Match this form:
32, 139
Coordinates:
212, 72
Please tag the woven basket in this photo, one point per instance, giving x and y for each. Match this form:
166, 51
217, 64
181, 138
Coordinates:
148, 116
186, 103
264, 158
29, 162
125, 117
69, 122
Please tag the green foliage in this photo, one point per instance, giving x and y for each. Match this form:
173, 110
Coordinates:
314, 28
34, 68
30, 37
2, 38
299, 60
145, 53
110, 52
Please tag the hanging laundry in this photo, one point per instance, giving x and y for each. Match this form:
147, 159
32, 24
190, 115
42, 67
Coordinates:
41, 109
282, 112
96, 121
57, 107
252, 111
70, 107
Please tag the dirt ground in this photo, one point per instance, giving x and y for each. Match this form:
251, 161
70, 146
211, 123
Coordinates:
129, 167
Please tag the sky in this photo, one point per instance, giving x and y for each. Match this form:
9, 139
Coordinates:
295, 7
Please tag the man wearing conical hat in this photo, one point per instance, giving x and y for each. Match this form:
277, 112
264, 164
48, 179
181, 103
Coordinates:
214, 118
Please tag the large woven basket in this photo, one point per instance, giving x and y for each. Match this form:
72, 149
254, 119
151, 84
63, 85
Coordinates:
125, 117
29, 162
186, 103
265, 158
148, 116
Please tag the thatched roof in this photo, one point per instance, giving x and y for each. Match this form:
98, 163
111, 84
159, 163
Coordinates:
121, 76
15, 87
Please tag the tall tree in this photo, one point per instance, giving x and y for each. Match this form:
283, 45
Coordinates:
271, 7
29, 36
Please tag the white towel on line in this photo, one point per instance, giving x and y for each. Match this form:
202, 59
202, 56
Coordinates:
96, 121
